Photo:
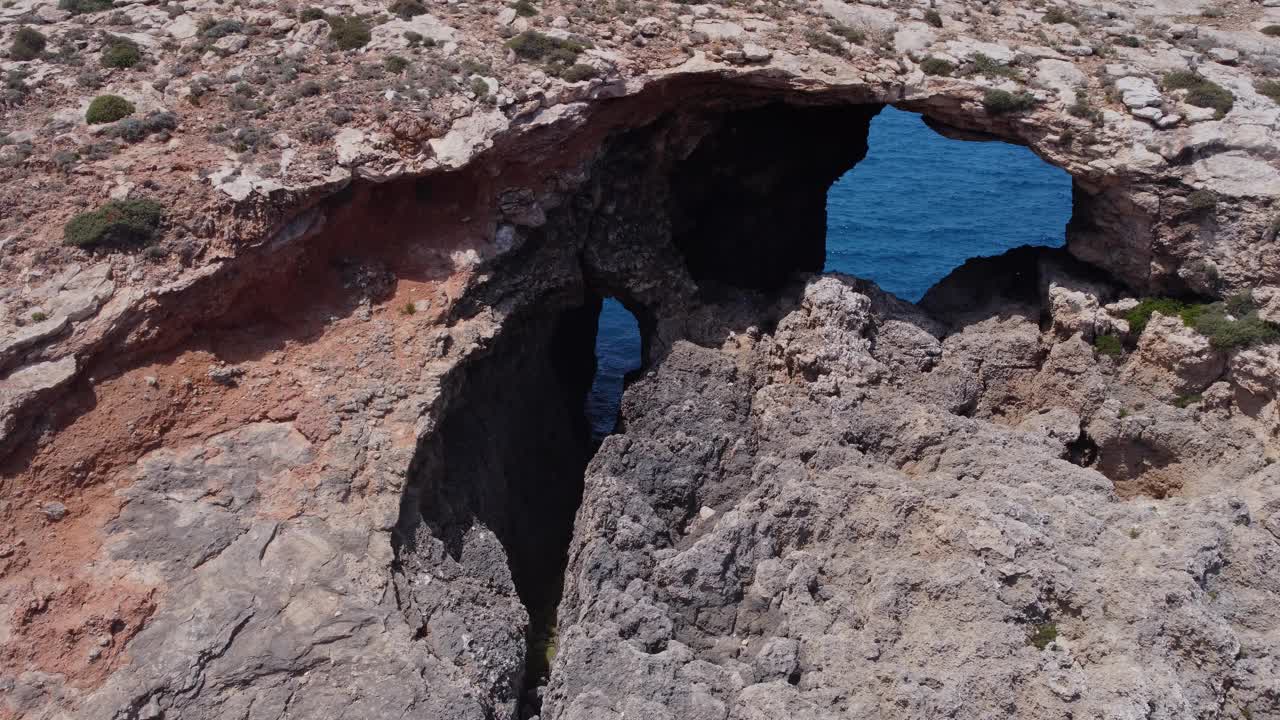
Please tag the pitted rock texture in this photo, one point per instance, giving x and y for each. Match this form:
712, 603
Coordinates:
780, 539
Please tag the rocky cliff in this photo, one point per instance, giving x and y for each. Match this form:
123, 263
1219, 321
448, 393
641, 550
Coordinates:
295, 331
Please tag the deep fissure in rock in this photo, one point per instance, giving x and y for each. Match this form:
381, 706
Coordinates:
698, 200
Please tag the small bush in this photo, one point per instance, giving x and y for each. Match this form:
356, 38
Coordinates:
851, 34
1228, 330
38, 316
27, 44
120, 53
349, 32
118, 224
1042, 635
479, 87
133, 130
310, 14
221, 29
1272, 30
1129, 41
556, 54
936, 66
578, 73
81, 7
1185, 401
1201, 92
1201, 200
1108, 345
395, 64
824, 42
984, 65
932, 17
1083, 109
1269, 89
1056, 15
1000, 102
524, 8
108, 108
407, 8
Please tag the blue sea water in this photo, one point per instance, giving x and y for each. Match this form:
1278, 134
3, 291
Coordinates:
921, 204
916, 208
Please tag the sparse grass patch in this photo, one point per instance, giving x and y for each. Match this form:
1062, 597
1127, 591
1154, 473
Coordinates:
824, 42
348, 32
1185, 401
409, 309
984, 65
38, 316
1201, 92
1108, 345
108, 108
120, 52
936, 66
118, 224
851, 34
1043, 634
1269, 89
1085, 110
1000, 102
28, 43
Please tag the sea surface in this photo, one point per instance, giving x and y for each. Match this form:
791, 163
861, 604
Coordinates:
916, 208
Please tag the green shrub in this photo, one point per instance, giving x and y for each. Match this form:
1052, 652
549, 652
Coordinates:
932, 17
524, 8
310, 14
1272, 30
1141, 315
1108, 345
556, 54
1230, 324
1184, 401
1201, 92
1056, 15
349, 32
1201, 200
118, 224
38, 316
1227, 330
824, 42
81, 7
108, 108
1129, 41
578, 72
221, 28
395, 64
479, 87
984, 65
1269, 88
936, 66
27, 44
999, 102
1042, 635
407, 8
120, 53
851, 34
